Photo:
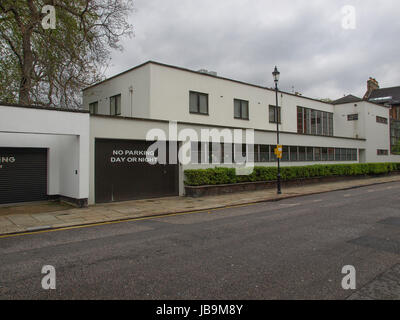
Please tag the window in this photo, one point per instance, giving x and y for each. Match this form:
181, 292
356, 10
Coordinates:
302, 153
331, 154
383, 152
330, 124
264, 153
241, 109
324, 154
300, 120
395, 136
319, 123
285, 153
198, 103
115, 105
272, 114
316, 122
343, 155
240, 153
272, 156
313, 122
310, 154
354, 155
325, 128
94, 107
381, 120
352, 117
337, 154
307, 121
317, 154
293, 154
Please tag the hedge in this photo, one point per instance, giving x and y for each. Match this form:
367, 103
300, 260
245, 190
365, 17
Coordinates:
216, 176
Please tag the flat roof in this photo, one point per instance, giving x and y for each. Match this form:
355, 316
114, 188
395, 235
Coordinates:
43, 108
206, 75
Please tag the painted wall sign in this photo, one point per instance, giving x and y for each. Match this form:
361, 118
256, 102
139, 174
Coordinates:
133, 156
6, 160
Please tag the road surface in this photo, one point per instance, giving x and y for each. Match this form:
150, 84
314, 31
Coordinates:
291, 249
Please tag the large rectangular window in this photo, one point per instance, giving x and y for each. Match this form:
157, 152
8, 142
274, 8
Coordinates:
198, 103
316, 122
273, 114
241, 109
115, 105
395, 136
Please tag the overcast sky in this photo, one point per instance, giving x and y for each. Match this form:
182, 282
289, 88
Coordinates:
245, 39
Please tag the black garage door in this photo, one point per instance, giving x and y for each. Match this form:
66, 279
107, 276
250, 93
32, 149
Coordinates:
23, 175
123, 173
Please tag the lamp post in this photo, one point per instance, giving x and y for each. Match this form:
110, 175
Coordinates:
276, 75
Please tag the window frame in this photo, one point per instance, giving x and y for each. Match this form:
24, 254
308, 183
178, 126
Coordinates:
198, 95
279, 114
96, 104
382, 120
115, 105
241, 106
352, 117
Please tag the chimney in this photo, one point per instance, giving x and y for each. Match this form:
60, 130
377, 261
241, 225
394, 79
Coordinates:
372, 85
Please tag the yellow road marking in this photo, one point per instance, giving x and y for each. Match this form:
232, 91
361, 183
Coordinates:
124, 220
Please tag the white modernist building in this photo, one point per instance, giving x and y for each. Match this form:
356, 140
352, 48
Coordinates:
158, 102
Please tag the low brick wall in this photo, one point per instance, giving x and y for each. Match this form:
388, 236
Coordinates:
202, 191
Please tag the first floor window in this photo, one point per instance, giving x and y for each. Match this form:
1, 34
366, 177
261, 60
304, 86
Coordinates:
395, 136
352, 117
383, 152
115, 105
241, 109
381, 120
198, 103
274, 116
94, 107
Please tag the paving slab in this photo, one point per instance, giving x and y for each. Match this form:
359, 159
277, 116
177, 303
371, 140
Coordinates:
66, 216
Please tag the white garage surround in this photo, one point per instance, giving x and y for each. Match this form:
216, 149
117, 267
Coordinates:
65, 134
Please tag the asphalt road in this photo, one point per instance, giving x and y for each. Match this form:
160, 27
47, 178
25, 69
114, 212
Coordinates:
292, 249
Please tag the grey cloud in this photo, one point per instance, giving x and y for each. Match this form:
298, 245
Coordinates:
245, 39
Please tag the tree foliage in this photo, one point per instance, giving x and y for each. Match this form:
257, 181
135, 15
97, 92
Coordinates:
51, 66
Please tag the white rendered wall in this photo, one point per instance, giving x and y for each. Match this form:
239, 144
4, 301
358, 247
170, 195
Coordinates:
64, 134
132, 105
131, 129
170, 100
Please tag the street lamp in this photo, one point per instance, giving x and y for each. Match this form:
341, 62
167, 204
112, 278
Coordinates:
276, 75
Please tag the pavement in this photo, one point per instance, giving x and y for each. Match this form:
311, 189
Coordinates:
290, 249
37, 217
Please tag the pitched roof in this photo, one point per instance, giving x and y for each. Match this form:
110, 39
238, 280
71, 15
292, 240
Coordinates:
390, 95
347, 99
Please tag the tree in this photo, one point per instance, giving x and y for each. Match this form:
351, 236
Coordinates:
51, 66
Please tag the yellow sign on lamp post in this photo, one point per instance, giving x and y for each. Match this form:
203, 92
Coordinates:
279, 151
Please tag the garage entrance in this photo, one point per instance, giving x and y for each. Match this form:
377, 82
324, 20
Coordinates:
123, 173
23, 175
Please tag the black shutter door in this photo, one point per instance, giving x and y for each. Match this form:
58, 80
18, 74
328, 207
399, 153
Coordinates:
23, 175
126, 177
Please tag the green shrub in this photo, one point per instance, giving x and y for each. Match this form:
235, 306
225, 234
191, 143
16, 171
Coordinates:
217, 176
